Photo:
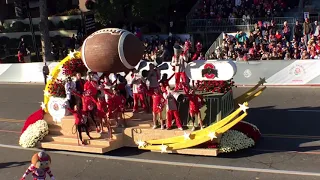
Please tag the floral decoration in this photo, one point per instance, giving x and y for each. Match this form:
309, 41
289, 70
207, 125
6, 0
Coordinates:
248, 129
56, 88
33, 134
215, 86
33, 118
232, 141
74, 66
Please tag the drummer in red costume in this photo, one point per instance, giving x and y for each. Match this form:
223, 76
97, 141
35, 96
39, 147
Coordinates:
107, 85
179, 63
87, 105
116, 106
101, 113
139, 90
186, 48
172, 109
91, 86
157, 107
198, 51
195, 103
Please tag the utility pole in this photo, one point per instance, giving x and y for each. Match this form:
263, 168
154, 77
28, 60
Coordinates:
44, 31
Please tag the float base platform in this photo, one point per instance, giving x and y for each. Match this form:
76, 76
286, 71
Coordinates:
62, 136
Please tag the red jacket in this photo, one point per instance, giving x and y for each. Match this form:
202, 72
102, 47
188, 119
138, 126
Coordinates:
91, 86
157, 101
101, 107
87, 103
77, 116
116, 101
195, 101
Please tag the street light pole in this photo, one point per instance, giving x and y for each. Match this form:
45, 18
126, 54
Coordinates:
35, 47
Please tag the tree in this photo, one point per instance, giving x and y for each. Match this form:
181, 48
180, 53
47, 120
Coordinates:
113, 11
44, 31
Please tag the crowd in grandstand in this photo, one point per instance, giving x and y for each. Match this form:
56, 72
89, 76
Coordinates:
246, 9
160, 47
267, 42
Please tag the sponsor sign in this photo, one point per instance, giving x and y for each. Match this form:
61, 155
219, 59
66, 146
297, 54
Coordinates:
56, 108
247, 73
297, 71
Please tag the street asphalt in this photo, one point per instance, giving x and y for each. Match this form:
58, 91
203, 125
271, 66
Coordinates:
287, 118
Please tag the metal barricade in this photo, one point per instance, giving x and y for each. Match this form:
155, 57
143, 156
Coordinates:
217, 107
227, 104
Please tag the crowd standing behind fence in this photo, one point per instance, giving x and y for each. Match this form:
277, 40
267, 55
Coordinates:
270, 42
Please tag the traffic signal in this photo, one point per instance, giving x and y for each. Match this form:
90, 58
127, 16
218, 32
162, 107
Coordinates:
20, 8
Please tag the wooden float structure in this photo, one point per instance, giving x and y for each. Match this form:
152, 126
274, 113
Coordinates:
62, 135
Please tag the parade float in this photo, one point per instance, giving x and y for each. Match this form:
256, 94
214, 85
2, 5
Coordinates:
51, 127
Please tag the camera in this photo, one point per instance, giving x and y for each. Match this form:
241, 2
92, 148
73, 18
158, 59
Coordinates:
209, 71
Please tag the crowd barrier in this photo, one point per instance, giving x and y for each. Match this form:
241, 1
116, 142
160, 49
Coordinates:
279, 72
274, 72
23, 72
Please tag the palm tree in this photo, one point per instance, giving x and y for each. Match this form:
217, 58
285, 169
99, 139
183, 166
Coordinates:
44, 31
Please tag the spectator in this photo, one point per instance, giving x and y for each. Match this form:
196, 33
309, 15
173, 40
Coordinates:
22, 47
20, 57
316, 28
245, 9
73, 42
298, 31
286, 30
307, 30
257, 46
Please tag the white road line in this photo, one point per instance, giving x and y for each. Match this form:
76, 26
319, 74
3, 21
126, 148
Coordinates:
208, 166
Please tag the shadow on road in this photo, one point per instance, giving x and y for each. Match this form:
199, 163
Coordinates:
13, 164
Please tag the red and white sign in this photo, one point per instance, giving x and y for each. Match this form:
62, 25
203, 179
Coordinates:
220, 70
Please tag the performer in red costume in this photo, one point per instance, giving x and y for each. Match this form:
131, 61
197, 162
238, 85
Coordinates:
198, 50
107, 85
157, 107
172, 109
87, 105
195, 104
116, 106
80, 122
91, 86
179, 63
40, 167
138, 89
186, 48
164, 82
101, 113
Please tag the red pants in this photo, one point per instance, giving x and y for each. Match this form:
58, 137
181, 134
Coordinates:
136, 98
174, 113
179, 75
151, 90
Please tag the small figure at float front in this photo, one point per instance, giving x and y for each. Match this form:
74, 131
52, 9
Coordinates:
40, 167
